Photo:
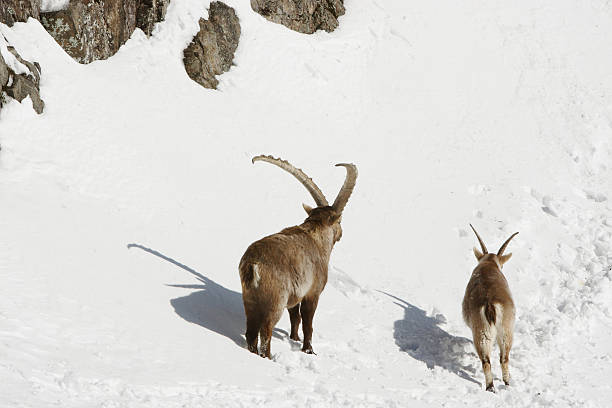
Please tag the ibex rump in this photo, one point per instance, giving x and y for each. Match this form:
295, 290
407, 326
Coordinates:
289, 269
488, 309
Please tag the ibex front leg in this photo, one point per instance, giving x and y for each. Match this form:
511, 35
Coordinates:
307, 310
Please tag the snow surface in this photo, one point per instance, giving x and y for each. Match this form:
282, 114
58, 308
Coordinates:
128, 203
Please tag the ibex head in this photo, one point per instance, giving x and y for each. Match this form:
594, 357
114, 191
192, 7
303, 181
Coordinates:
500, 259
323, 214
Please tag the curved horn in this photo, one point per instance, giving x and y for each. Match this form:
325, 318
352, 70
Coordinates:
503, 247
347, 187
298, 174
482, 245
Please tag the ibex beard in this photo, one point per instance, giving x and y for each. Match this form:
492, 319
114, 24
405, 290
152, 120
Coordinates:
488, 309
288, 270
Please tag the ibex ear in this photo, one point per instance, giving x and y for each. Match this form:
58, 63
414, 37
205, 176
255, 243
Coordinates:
307, 208
504, 258
477, 253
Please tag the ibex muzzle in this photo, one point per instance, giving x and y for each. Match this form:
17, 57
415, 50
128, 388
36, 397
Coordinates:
488, 309
289, 269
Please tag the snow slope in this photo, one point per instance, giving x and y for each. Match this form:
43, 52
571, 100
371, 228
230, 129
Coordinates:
128, 203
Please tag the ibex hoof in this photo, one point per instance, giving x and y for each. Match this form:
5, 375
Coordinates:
491, 388
309, 351
253, 350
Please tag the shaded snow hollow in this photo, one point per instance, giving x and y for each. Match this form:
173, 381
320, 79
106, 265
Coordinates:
128, 203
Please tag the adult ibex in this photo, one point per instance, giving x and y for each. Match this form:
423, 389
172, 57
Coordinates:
289, 269
488, 309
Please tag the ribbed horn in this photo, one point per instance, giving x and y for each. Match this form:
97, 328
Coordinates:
482, 245
347, 187
306, 181
503, 247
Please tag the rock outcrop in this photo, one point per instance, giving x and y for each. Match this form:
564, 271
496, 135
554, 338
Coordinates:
212, 50
12, 11
18, 78
150, 12
304, 16
90, 30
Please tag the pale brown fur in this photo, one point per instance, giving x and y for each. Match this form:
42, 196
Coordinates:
288, 270
488, 309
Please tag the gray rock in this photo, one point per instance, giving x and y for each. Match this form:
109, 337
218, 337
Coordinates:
90, 30
304, 16
19, 86
12, 11
212, 50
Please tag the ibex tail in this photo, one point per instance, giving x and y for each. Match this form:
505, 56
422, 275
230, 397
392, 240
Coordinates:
490, 313
250, 275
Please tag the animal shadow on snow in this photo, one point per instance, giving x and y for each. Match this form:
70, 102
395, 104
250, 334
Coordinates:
211, 306
420, 336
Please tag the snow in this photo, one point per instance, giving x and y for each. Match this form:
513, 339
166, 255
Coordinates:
128, 203
47, 6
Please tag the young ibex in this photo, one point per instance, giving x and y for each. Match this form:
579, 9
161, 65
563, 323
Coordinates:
488, 309
289, 269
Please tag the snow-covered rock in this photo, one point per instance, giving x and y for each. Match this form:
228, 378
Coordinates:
18, 78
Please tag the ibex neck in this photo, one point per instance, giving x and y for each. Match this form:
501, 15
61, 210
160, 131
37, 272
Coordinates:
490, 264
322, 235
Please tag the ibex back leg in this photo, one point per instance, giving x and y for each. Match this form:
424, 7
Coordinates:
484, 343
252, 331
294, 316
307, 310
265, 333
504, 341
